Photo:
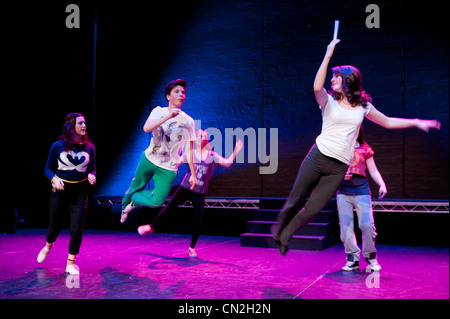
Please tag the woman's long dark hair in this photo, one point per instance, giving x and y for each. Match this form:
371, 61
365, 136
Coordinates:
351, 86
69, 134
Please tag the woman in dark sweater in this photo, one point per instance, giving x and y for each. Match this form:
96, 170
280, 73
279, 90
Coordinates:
71, 169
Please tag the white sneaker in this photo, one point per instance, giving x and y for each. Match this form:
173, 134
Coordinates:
352, 263
125, 212
43, 254
72, 270
374, 265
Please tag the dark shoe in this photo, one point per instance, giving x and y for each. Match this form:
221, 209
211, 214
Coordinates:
283, 249
276, 238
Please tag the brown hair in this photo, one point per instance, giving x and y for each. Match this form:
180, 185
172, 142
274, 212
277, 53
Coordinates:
68, 135
351, 86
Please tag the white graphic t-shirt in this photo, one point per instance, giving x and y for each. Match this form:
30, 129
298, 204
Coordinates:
169, 139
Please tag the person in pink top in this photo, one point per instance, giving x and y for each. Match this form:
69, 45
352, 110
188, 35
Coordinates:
354, 194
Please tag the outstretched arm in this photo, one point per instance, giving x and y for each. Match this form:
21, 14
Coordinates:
400, 123
228, 161
319, 92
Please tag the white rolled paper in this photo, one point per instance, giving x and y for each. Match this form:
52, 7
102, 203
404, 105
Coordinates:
336, 28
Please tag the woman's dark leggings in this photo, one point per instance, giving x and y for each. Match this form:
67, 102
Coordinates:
318, 174
181, 195
74, 198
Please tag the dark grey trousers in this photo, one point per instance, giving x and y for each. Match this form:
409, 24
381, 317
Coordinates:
319, 177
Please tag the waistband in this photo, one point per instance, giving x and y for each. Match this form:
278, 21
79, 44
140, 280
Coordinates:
71, 182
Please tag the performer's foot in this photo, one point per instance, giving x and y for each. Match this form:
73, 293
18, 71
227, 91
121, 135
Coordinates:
43, 253
192, 252
352, 264
125, 212
144, 229
71, 270
283, 248
374, 265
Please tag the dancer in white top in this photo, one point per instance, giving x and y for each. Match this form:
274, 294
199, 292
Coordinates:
324, 168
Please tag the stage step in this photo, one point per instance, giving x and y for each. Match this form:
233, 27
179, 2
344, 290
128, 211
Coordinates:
325, 216
278, 202
311, 229
318, 234
296, 242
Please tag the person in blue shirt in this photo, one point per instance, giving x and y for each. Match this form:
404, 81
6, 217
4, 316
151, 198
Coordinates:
71, 169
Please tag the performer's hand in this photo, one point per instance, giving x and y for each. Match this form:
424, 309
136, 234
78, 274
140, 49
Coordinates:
426, 125
57, 183
193, 181
175, 111
92, 179
330, 48
239, 146
382, 191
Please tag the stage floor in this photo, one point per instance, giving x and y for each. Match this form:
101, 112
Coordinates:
124, 265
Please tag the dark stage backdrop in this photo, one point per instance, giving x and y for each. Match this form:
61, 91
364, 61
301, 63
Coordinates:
248, 64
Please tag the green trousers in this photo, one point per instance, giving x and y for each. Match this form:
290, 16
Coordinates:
146, 170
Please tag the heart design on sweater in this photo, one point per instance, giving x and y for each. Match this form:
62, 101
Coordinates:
70, 160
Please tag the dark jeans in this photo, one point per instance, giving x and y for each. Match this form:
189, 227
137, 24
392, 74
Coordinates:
198, 202
74, 198
318, 174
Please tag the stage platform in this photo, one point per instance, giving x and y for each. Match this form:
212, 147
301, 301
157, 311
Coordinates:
124, 265
231, 216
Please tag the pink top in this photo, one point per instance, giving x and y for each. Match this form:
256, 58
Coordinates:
358, 164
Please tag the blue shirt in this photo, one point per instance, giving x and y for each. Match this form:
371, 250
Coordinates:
73, 165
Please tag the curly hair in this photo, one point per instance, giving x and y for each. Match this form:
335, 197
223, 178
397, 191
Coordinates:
351, 86
69, 134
